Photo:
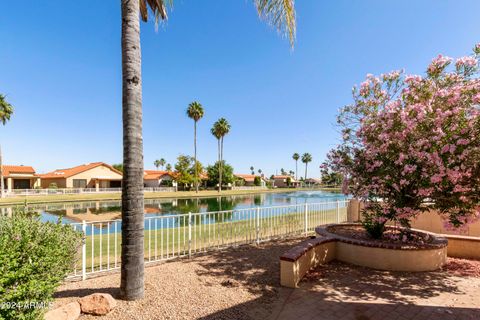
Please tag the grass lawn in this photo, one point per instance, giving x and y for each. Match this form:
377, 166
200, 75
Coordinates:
148, 195
173, 241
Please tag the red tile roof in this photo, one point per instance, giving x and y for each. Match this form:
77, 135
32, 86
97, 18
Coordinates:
69, 172
156, 174
246, 177
7, 170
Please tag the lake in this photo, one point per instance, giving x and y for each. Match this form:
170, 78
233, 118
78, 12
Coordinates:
72, 212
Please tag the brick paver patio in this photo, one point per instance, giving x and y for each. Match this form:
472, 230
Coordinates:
340, 291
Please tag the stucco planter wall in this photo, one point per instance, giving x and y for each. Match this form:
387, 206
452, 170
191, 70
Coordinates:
393, 257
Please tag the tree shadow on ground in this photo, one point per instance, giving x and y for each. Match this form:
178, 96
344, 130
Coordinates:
338, 279
334, 286
334, 310
256, 268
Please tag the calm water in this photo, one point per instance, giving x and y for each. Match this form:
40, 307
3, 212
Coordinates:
74, 212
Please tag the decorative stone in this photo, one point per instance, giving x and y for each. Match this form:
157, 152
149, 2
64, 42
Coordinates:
70, 311
98, 304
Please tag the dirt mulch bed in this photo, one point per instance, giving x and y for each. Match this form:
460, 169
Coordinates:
392, 236
463, 267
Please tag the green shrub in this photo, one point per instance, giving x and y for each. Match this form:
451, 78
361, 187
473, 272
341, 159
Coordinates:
35, 257
53, 185
374, 224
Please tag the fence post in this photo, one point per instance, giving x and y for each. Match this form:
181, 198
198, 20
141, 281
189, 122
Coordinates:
338, 211
189, 234
305, 224
257, 226
84, 250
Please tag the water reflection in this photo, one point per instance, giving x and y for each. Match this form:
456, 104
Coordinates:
111, 210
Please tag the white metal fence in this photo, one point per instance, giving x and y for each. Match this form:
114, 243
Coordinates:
249, 188
46, 192
180, 235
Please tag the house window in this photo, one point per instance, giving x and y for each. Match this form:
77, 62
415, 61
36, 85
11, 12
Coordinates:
79, 183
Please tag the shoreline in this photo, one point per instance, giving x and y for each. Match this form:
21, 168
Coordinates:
14, 201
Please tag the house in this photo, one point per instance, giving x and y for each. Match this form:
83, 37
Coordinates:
248, 180
91, 175
313, 182
284, 181
19, 177
156, 178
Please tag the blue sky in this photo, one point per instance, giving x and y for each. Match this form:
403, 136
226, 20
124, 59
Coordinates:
60, 67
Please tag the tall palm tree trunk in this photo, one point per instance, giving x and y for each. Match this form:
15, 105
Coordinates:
306, 167
220, 168
132, 268
219, 165
195, 154
296, 170
2, 183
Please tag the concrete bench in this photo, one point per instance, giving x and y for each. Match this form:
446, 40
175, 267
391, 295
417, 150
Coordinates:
297, 261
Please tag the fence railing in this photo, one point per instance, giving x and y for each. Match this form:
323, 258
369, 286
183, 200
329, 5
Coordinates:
249, 188
62, 191
182, 235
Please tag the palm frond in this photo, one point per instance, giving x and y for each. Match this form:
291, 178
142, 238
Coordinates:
6, 110
159, 9
280, 14
195, 111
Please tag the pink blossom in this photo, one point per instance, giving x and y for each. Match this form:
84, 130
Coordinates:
466, 62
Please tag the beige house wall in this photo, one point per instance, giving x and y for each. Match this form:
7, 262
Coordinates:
102, 172
157, 183
60, 182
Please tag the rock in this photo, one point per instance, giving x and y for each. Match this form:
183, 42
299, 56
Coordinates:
97, 304
70, 311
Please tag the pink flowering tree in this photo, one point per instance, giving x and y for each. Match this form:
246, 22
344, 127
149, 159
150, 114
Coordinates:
411, 143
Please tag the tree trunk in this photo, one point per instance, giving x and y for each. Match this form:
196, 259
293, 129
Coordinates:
195, 154
2, 186
296, 170
306, 166
219, 164
132, 267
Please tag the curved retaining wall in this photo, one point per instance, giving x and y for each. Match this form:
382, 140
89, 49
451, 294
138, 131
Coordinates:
392, 260
393, 257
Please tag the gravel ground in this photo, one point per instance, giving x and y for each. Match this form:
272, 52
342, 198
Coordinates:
243, 283
239, 283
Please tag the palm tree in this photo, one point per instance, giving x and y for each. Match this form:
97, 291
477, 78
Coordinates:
195, 112
162, 162
156, 163
168, 167
215, 130
6, 111
306, 158
220, 129
252, 169
259, 171
281, 14
295, 157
